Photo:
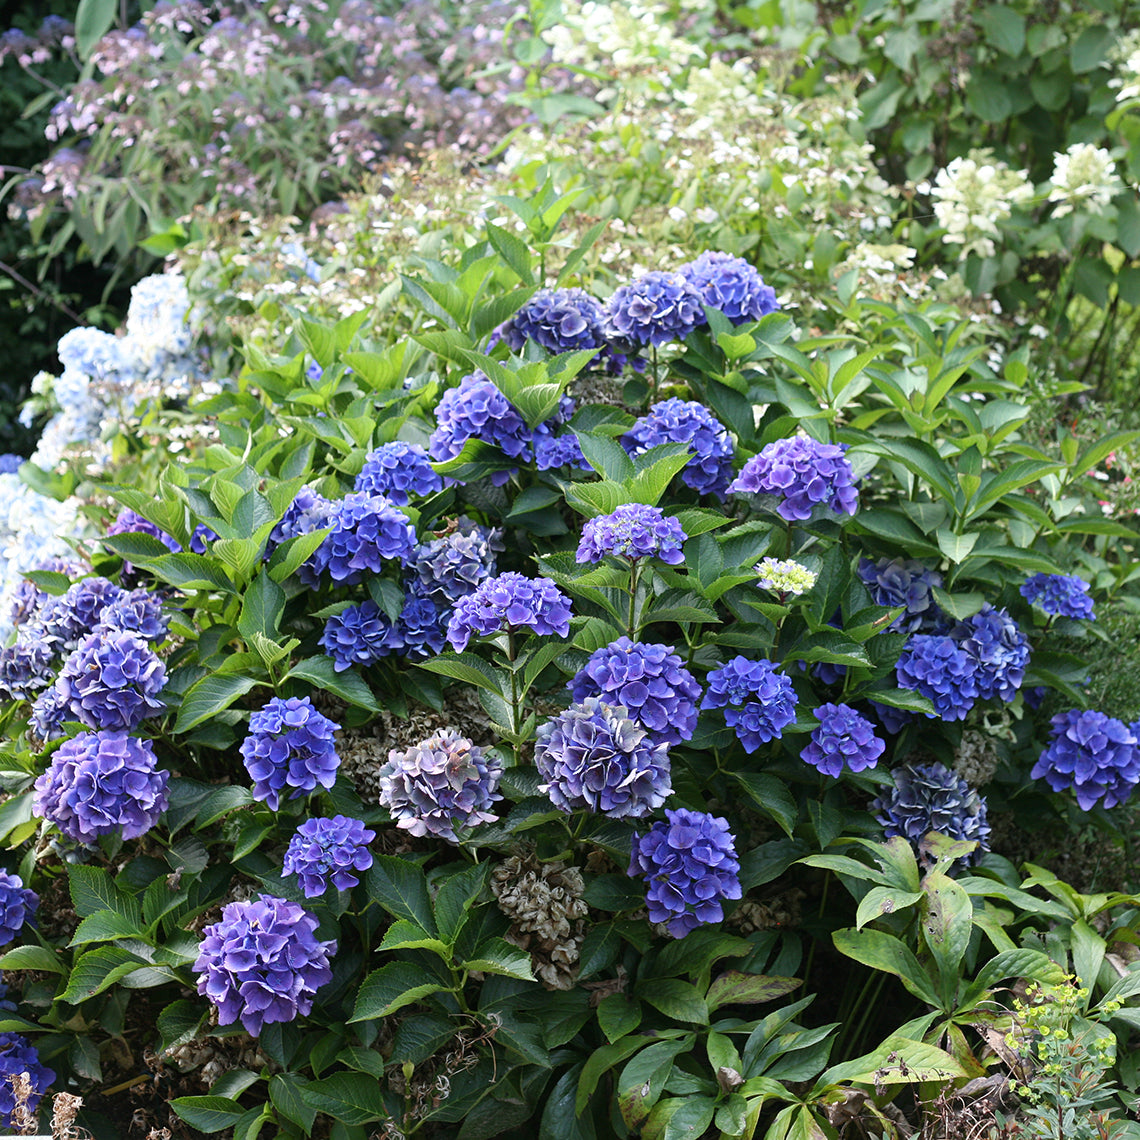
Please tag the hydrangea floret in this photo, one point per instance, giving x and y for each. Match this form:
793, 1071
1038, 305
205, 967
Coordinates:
1095, 756
655, 309
803, 474
904, 582
451, 566
289, 745
1060, 595
689, 864
26, 668
65, 620
939, 668
102, 783
758, 700
476, 409
324, 851
731, 285
367, 531
112, 681
422, 628
843, 740
785, 576
18, 1055
685, 421
649, 681
593, 756
139, 612
17, 906
398, 471
930, 797
506, 603
632, 531
441, 786
560, 320
359, 635
999, 649
262, 962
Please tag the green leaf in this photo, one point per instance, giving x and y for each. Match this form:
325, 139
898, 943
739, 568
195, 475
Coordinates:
512, 250
497, 956
947, 924
33, 958
736, 988
606, 456
97, 970
391, 988
221, 801
772, 796
883, 900
285, 1096
353, 1098
898, 1060
401, 889
348, 685
679, 1000
421, 1035
208, 1113
179, 1022
106, 926
1004, 28
466, 667
262, 607
882, 951
208, 697
93, 20
618, 1015
956, 547
455, 898
1088, 50
404, 935
92, 890
1017, 963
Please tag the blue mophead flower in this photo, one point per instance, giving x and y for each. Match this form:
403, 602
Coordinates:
262, 962
102, 783
476, 409
999, 649
844, 739
367, 532
18, 1055
731, 285
359, 635
63, 621
938, 667
451, 566
632, 531
28, 599
685, 421
324, 851
758, 700
689, 865
26, 668
558, 320
904, 582
398, 471
17, 906
112, 681
593, 756
649, 681
289, 745
509, 602
1095, 756
1061, 595
139, 612
654, 310
803, 474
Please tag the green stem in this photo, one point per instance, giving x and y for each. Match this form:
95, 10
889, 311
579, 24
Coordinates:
633, 577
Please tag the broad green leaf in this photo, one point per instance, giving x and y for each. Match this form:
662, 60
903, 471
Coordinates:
93, 20
497, 956
455, 898
208, 1113
391, 988
97, 970
898, 1060
401, 889
736, 988
947, 923
352, 1098
33, 958
106, 926
618, 1015
678, 1000
772, 796
883, 900
882, 951
348, 685
404, 935
208, 697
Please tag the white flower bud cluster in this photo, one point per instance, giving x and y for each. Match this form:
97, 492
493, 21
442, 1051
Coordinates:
973, 196
1084, 178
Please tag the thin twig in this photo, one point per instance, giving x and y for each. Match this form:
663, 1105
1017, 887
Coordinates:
20, 279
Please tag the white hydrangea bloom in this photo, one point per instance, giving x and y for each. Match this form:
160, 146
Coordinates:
973, 195
1084, 178
1127, 56
785, 576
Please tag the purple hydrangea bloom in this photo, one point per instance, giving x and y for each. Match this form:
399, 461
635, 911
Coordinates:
448, 568
328, 850
398, 471
731, 285
593, 756
102, 783
929, 797
999, 649
892, 719
1062, 595
558, 320
679, 421
289, 745
804, 474
649, 681
140, 612
49, 711
307, 512
112, 681
759, 701
478, 410
68, 618
17, 905
18, 1055
552, 450
904, 582
1094, 755
367, 531
26, 668
655, 309
442, 784
844, 739
201, 536
422, 628
359, 635
510, 601
262, 962
11, 463
689, 865
29, 599
633, 531
129, 522
940, 668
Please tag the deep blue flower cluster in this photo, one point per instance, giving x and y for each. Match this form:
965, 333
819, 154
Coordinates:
324, 851
17, 905
759, 701
18, 1055
633, 531
593, 756
478, 410
359, 635
28, 599
731, 285
422, 628
112, 681
367, 531
398, 471
904, 582
441, 785
689, 864
1095, 756
139, 612
448, 568
938, 667
262, 962
844, 739
49, 711
554, 448
656, 308
1062, 595
649, 681
26, 668
307, 512
64, 620
685, 421
929, 797
999, 650
508, 602
289, 745
803, 474
560, 320
102, 783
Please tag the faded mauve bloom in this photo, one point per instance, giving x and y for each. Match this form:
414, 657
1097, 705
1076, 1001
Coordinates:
649, 681
1062, 595
324, 851
689, 865
451, 566
1095, 756
679, 421
844, 739
112, 681
593, 756
999, 650
440, 785
895, 582
509, 602
398, 471
655, 309
18, 1055
731, 285
289, 745
102, 783
633, 531
929, 797
262, 962
759, 701
939, 668
17, 906
804, 474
